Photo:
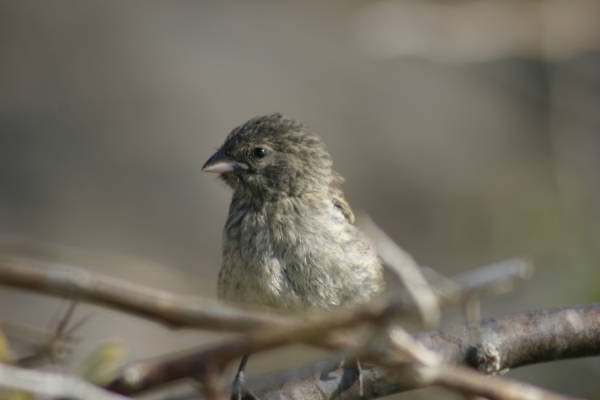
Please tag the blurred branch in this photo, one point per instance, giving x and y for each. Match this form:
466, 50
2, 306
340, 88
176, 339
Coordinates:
176, 310
406, 269
329, 330
52, 385
319, 330
43, 347
171, 309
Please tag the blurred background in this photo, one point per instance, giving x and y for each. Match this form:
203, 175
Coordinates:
468, 130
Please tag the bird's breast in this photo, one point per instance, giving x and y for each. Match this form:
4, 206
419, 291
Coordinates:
295, 257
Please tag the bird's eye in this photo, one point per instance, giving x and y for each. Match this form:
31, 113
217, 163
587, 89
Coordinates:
260, 152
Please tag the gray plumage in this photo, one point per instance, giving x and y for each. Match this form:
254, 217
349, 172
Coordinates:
289, 242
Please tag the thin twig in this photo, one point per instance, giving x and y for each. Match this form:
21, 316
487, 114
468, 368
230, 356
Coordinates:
48, 347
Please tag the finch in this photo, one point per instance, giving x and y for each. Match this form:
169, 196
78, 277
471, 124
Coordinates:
289, 243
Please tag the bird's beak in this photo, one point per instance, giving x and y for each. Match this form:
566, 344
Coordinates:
219, 163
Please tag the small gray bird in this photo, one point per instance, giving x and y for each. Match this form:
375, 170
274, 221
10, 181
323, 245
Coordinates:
289, 242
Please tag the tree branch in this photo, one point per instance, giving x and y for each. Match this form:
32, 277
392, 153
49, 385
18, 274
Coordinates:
330, 330
318, 329
168, 308
178, 311
506, 343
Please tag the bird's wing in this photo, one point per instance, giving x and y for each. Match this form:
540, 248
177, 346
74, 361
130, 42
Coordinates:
340, 202
338, 198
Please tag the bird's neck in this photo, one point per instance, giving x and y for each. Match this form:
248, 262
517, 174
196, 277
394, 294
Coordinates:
280, 202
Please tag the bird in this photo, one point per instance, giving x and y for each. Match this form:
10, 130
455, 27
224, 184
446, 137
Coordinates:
290, 243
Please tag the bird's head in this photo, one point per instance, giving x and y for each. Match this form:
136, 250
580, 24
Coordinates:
271, 156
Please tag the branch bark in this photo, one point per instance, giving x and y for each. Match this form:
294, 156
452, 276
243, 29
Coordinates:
506, 342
